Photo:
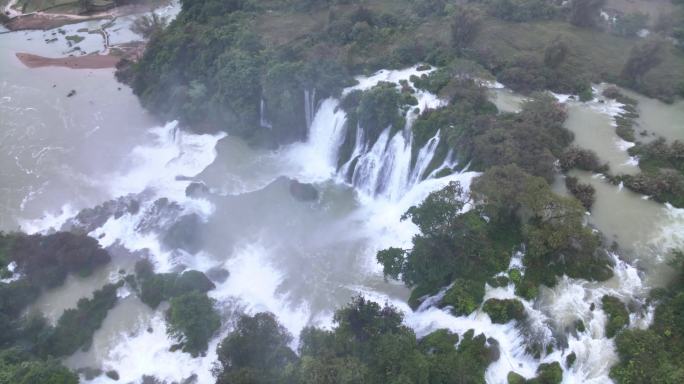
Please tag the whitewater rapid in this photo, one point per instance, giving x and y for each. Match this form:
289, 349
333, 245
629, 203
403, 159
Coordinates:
385, 186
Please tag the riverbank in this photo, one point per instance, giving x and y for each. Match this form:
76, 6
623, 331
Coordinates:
45, 20
74, 62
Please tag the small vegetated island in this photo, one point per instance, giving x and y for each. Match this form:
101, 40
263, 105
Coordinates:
252, 68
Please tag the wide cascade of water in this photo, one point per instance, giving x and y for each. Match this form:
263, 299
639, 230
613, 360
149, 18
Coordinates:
309, 258
384, 168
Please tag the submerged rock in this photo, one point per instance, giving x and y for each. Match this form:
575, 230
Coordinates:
112, 374
218, 274
303, 191
146, 379
197, 189
157, 217
185, 234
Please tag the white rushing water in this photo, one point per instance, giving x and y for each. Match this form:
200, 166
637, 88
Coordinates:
385, 185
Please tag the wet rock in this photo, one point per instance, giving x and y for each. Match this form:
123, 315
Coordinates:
89, 219
159, 215
190, 380
185, 234
197, 189
494, 349
146, 379
112, 374
218, 274
303, 191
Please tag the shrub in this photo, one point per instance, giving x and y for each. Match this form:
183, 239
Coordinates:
464, 296
18, 369
585, 13
47, 260
465, 26
642, 58
256, 351
617, 314
583, 192
584, 159
192, 321
76, 326
164, 286
548, 373
503, 311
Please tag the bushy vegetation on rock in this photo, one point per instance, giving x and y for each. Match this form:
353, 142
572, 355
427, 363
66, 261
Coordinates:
46, 260
617, 314
192, 321
17, 367
654, 355
76, 326
502, 311
582, 192
662, 171
557, 241
192, 318
584, 159
368, 344
27, 341
547, 373
451, 246
157, 287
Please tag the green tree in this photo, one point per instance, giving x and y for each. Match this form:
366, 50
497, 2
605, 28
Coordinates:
255, 352
586, 13
643, 57
465, 26
192, 321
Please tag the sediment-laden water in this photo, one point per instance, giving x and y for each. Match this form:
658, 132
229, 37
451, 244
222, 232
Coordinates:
297, 258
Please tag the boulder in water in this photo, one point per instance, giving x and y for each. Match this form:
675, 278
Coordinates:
89, 219
112, 374
161, 212
494, 349
197, 189
303, 191
218, 274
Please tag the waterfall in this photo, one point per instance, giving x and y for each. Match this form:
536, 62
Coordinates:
424, 159
383, 169
262, 116
309, 106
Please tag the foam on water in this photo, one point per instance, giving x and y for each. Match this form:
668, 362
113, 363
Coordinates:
146, 351
164, 165
256, 282
387, 186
